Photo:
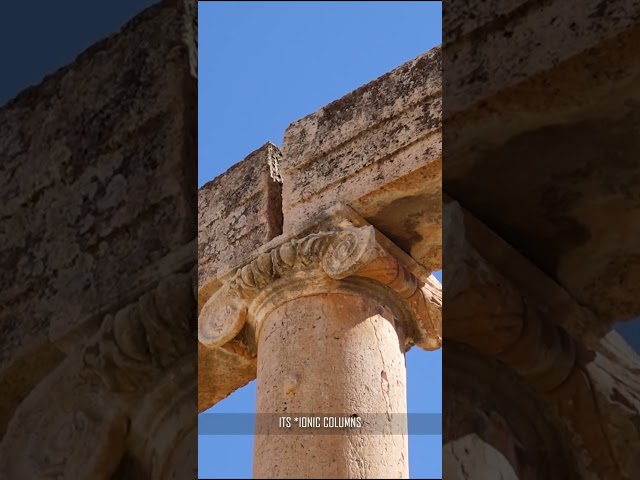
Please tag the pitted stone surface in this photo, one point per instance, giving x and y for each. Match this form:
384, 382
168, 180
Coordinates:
98, 256
378, 150
237, 212
544, 108
361, 371
95, 187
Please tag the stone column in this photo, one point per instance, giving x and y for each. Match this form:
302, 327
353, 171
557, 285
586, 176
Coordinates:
330, 317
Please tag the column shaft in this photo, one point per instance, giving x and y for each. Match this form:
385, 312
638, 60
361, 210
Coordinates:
332, 354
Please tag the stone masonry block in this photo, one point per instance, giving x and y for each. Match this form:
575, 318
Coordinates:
378, 150
238, 212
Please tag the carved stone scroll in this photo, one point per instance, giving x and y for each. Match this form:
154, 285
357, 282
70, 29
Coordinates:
139, 356
144, 338
352, 255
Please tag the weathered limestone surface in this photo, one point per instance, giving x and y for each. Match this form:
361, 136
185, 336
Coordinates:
90, 160
221, 371
237, 213
332, 295
329, 316
496, 415
550, 122
97, 257
493, 46
225, 367
325, 355
378, 150
541, 153
505, 308
344, 252
375, 154
527, 318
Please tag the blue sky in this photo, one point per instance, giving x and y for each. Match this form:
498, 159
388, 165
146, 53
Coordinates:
263, 65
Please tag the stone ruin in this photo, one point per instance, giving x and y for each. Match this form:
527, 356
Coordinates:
321, 278
314, 273
98, 251
540, 253
541, 228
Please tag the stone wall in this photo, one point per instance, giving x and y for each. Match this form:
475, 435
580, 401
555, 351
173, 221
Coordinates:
378, 150
541, 138
98, 256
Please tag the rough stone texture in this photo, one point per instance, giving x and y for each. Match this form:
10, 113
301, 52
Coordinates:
377, 150
460, 19
79, 226
541, 112
97, 255
354, 254
329, 315
559, 142
520, 317
237, 212
471, 454
225, 365
331, 355
486, 401
221, 372
508, 42
328, 308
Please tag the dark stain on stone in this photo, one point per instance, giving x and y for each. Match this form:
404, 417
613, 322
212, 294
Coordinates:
430, 120
275, 215
395, 84
399, 220
339, 111
429, 63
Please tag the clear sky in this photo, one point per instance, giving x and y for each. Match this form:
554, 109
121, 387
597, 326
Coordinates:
263, 65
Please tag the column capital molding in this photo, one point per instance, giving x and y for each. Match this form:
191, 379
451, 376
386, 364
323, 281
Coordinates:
348, 258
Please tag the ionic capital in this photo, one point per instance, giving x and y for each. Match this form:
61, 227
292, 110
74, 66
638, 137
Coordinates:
348, 259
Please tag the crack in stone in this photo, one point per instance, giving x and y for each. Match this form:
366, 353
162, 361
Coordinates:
383, 374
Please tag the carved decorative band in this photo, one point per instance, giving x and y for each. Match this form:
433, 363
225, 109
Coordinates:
143, 339
279, 262
337, 255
